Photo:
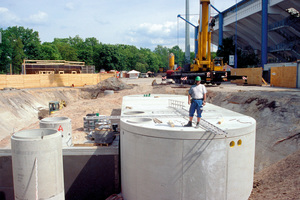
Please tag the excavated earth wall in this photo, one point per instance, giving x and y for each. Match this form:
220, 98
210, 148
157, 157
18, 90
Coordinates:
277, 115
19, 108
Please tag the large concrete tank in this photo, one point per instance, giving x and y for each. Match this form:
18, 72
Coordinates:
37, 164
161, 159
61, 124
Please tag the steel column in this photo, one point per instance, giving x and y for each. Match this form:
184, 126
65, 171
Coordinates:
221, 21
264, 33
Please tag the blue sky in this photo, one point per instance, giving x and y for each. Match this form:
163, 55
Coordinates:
141, 23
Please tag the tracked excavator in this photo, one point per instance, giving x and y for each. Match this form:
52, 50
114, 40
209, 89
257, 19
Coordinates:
210, 71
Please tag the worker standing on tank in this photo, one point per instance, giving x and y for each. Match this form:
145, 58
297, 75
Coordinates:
196, 99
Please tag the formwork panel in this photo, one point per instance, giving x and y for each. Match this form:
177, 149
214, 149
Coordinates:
75, 79
15, 81
31, 81
3, 81
254, 75
47, 80
284, 77
51, 80
89, 79
106, 76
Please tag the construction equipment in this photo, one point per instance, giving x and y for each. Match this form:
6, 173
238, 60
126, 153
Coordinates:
53, 107
210, 71
62, 103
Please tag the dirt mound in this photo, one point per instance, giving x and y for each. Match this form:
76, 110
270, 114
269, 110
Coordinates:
113, 84
279, 181
92, 92
277, 116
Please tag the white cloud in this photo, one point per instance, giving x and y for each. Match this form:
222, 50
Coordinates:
69, 6
38, 18
128, 22
161, 30
152, 34
7, 17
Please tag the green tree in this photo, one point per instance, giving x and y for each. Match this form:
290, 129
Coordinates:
179, 55
213, 55
106, 57
129, 56
244, 58
248, 58
141, 67
19, 43
29, 38
17, 55
66, 51
49, 51
227, 48
163, 56
92, 42
5, 52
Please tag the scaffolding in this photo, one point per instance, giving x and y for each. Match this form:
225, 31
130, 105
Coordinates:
52, 67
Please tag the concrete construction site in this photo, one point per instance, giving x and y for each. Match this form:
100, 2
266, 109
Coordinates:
93, 171
67, 132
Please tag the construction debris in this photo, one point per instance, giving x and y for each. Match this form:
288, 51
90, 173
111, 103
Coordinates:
157, 121
171, 123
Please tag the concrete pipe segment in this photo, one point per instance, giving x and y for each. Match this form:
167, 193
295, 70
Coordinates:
61, 124
37, 164
161, 159
108, 92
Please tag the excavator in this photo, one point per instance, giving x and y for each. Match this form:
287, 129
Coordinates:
210, 71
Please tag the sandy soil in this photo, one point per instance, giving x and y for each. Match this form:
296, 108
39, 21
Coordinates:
278, 181
78, 109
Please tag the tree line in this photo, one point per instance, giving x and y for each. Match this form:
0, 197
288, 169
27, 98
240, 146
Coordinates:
19, 43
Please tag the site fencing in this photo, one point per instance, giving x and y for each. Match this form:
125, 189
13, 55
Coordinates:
51, 80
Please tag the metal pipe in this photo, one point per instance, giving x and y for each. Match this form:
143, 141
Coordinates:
186, 21
187, 32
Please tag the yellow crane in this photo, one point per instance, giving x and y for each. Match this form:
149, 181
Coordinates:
210, 71
203, 61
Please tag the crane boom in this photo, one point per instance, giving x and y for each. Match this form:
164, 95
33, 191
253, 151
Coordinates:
203, 58
210, 70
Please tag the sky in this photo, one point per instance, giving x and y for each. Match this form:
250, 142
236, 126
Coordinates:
144, 24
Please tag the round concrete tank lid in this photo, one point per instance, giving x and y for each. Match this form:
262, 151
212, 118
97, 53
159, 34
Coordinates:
133, 112
139, 120
55, 119
35, 134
